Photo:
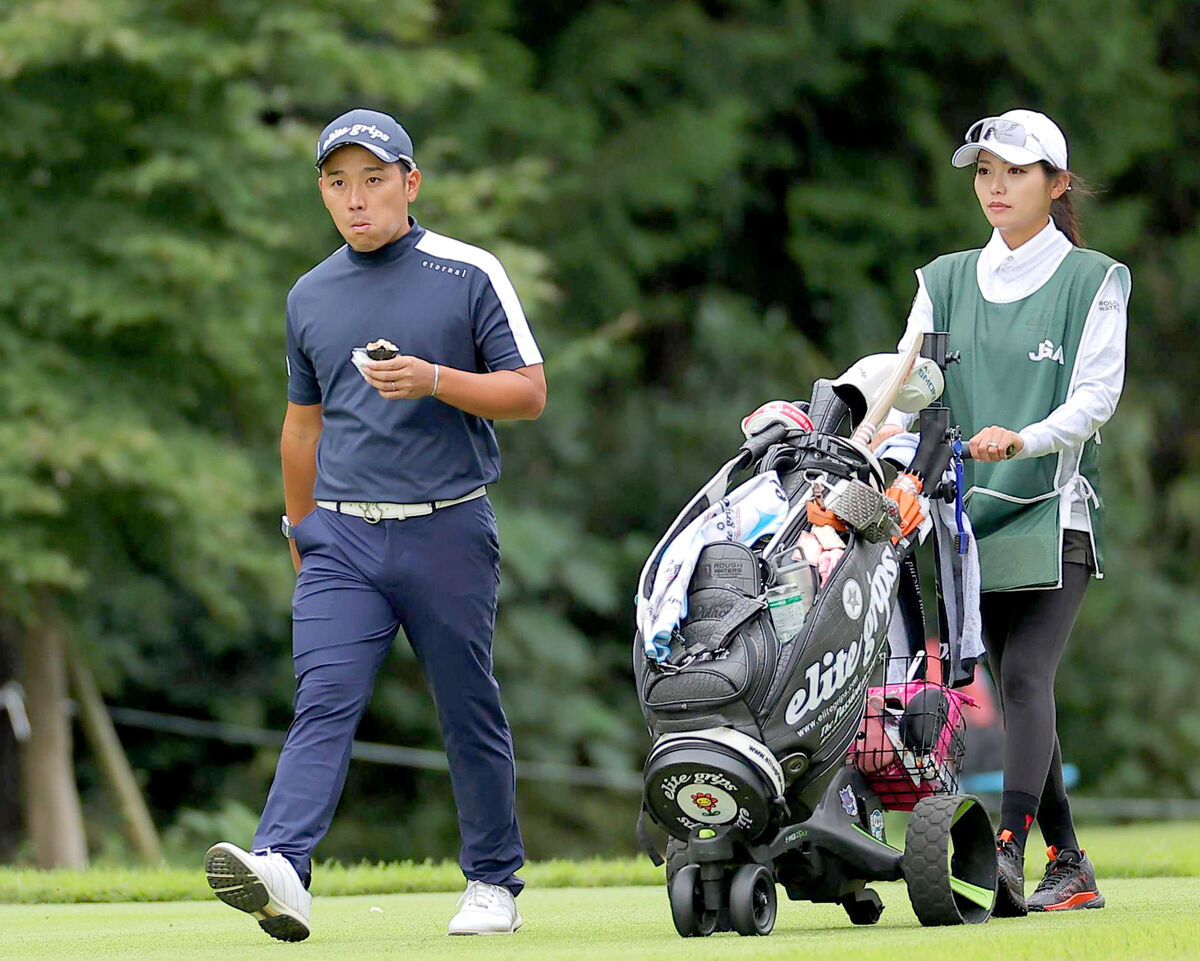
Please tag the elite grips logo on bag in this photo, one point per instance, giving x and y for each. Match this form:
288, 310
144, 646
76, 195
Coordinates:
824, 678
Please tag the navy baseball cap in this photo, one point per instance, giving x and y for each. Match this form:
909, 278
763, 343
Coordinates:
378, 132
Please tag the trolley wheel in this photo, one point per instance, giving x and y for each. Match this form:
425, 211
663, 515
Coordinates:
950, 861
752, 900
863, 907
686, 894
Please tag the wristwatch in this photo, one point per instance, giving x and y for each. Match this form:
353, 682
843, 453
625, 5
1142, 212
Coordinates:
286, 526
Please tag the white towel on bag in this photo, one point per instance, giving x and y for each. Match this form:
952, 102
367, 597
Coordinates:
745, 514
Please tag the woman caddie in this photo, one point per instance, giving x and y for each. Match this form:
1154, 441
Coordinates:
1040, 324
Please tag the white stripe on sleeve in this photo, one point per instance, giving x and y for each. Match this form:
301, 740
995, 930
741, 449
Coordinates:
438, 245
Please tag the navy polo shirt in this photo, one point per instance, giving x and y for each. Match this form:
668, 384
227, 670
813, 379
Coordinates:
435, 298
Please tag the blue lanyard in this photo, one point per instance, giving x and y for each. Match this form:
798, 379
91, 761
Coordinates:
960, 539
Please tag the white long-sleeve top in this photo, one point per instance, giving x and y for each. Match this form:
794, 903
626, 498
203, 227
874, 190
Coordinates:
1006, 276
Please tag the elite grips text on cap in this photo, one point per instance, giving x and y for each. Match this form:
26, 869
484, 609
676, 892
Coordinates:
378, 132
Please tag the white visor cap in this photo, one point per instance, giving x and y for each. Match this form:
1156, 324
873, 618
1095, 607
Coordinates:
1018, 136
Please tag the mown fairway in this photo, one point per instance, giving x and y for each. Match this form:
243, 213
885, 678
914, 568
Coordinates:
1150, 875
1145, 918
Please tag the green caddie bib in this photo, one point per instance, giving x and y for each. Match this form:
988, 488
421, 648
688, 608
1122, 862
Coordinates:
1018, 362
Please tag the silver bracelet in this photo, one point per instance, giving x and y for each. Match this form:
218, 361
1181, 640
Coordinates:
437, 373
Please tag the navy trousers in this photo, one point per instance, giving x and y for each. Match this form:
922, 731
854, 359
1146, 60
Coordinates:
436, 577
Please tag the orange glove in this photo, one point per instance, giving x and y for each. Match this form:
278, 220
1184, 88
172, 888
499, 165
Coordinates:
905, 491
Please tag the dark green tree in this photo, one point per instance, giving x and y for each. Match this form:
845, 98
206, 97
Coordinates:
703, 206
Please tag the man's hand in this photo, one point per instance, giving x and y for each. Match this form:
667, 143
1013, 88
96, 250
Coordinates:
995, 443
495, 395
298, 454
401, 377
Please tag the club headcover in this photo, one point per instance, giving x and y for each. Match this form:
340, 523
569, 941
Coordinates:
863, 380
776, 412
923, 386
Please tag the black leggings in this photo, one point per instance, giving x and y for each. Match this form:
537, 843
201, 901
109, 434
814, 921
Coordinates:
1025, 633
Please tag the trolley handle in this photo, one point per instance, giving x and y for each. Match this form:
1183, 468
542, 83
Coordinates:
1008, 453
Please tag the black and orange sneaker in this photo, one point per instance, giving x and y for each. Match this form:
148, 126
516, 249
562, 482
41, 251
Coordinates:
1069, 883
1010, 878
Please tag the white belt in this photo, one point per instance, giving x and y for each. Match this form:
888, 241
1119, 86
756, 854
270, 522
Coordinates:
374, 513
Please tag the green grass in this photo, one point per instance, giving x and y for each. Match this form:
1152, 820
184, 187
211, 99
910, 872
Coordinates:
1136, 851
615, 910
121, 883
1146, 918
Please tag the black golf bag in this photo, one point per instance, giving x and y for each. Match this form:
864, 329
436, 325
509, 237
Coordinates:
752, 720
747, 726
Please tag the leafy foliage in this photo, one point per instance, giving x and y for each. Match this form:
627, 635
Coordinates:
703, 205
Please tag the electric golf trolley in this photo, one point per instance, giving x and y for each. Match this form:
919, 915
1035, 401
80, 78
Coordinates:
781, 730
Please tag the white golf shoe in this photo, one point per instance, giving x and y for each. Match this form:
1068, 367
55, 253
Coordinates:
485, 909
263, 885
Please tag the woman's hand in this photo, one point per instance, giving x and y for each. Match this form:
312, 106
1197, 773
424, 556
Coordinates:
995, 443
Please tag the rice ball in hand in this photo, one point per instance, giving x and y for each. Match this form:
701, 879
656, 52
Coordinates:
382, 350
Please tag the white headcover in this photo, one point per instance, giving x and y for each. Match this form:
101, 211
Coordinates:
863, 380
923, 386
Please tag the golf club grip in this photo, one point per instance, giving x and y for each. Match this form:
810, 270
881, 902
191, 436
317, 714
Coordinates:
757, 445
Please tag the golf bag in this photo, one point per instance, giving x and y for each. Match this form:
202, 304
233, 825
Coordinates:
763, 622
748, 724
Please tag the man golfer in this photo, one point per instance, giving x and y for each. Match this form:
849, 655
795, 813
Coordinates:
385, 467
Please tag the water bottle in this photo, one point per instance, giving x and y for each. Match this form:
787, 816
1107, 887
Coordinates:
791, 597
